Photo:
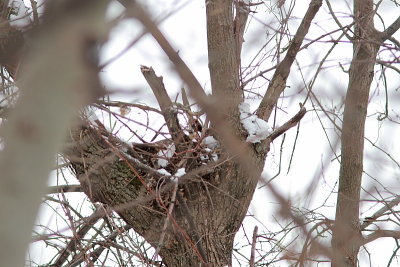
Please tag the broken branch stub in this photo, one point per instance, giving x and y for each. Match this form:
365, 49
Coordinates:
169, 112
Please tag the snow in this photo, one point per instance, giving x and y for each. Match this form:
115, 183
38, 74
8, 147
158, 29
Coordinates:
163, 172
210, 142
19, 16
165, 154
179, 173
257, 128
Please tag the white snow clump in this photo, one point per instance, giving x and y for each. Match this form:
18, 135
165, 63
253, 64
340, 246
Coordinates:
210, 142
163, 172
180, 172
165, 154
257, 128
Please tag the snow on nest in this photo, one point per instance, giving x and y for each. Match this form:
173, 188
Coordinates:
257, 128
163, 172
210, 142
165, 155
179, 173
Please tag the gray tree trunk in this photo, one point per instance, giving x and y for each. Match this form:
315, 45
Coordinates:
346, 236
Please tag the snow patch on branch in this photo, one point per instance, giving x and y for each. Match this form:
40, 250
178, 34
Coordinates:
179, 173
165, 155
163, 172
256, 128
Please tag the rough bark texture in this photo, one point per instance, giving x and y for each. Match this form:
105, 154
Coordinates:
347, 234
222, 56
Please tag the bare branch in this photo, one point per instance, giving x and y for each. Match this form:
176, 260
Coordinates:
125, 104
242, 13
64, 189
253, 247
165, 103
378, 234
391, 30
387, 206
337, 21
289, 124
70, 248
278, 82
95, 254
183, 70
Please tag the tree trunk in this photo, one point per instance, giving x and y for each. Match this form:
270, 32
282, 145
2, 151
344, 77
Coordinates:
366, 43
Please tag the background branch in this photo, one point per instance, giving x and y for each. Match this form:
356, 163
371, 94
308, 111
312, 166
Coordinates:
278, 82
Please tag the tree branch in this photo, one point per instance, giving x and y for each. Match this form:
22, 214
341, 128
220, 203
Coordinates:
242, 13
391, 30
125, 104
253, 247
337, 20
95, 254
289, 124
64, 189
90, 221
378, 234
387, 206
278, 82
165, 103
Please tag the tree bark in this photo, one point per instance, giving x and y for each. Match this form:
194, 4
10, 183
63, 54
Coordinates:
222, 55
347, 233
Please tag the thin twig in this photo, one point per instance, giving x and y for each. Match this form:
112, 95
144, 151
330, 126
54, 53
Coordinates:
253, 247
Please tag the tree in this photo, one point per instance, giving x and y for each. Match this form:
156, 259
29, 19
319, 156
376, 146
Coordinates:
188, 193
